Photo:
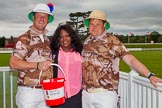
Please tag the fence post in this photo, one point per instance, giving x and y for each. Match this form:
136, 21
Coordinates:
159, 96
131, 91
4, 89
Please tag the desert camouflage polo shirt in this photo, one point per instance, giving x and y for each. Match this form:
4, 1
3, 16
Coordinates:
30, 47
101, 56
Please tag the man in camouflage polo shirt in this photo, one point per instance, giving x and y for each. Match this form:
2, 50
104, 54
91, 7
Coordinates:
32, 58
101, 55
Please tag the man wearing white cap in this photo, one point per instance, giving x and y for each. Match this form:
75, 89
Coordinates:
101, 55
31, 57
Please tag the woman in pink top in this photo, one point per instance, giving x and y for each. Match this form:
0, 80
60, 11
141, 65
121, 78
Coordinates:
66, 47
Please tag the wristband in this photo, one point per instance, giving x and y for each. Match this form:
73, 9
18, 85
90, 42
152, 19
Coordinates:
37, 65
150, 75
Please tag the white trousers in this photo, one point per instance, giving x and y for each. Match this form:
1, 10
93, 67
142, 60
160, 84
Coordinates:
106, 99
30, 98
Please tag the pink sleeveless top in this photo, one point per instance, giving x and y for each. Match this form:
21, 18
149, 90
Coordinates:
71, 64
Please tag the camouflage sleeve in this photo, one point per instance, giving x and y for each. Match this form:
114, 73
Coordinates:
119, 47
21, 49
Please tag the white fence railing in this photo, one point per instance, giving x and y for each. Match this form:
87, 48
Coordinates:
7, 91
137, 92
134, 91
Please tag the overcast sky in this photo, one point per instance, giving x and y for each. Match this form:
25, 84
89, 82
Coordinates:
125, 16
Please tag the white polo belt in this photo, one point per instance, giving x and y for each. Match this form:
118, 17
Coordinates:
96, 90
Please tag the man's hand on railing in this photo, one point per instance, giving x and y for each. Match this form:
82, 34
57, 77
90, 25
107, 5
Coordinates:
155, 80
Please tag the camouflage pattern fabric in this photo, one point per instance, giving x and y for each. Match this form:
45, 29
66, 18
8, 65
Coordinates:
29, 47
101, 56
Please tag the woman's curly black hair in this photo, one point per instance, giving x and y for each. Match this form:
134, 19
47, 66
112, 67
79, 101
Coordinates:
76, 43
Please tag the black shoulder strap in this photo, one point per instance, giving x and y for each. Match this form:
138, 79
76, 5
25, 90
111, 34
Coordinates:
55, 68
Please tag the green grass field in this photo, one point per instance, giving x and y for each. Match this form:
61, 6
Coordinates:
143, 45
152, 59
4, 59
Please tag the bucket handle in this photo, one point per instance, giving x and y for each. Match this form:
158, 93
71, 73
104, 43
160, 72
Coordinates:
53, 64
